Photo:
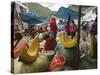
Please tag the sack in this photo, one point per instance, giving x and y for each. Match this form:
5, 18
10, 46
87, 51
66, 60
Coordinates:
34, 49
27, 59
57, 61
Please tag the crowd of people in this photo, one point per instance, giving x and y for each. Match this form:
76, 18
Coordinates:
88, 38
48, 37
48, 34
28, 44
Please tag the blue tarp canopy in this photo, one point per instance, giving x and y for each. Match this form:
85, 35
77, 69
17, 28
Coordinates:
32, 18
31, 14
64, 13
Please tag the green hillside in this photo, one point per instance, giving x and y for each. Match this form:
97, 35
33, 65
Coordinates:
41, 10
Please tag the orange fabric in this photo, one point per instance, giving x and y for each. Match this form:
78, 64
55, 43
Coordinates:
19, 48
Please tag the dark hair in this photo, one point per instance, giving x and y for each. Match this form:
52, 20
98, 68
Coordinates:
92, 20
96, 19
84, 39
18, 36
72, 21
46, 36
84, 27
69, 18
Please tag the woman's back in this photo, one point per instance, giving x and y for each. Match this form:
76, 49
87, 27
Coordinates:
50, 44
19, 48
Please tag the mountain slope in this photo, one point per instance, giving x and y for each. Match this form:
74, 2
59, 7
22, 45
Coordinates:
41, 10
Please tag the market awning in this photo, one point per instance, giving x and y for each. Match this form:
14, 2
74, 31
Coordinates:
32, 18
31, 14
64, 13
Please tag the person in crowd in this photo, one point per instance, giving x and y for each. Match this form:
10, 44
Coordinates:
84, 45
16, 28
40, 29
94, 38
40, 37
53, 27
94, 27
32, 31
67, 27
48, 29
73, 28
83, 33
50, 43
90, 25
19, 45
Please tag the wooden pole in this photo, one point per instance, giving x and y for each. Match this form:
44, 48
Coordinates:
78, 36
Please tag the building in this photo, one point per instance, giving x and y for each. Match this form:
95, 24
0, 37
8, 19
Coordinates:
90, 14
20, 8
